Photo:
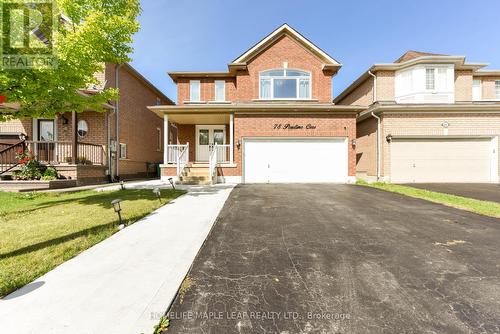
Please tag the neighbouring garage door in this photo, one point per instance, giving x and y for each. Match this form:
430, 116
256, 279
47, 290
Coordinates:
441, 160
295, 160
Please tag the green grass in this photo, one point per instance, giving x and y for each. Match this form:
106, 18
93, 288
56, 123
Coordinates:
486, 208
39, 231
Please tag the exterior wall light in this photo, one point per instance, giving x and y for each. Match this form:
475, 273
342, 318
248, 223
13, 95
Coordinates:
238, 144
117, 207
353, 143
157, 192
388, 138
171, 180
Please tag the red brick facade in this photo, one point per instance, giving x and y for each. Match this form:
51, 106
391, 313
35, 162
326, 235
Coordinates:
141, 130
242, 88
263, 126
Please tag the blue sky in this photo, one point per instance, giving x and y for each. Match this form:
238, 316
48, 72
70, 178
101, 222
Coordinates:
205, 35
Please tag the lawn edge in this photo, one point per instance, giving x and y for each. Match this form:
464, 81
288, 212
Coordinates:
424, 195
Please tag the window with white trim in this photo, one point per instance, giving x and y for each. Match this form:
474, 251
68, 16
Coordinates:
285, 84
220, 90
425, 83
476, 90
194, 90
123, 151
497, 89
430, 80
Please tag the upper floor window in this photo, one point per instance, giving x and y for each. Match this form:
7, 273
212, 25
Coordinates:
476, 90
426, 83
194, 90
285, 84
430, 79
220, 90
497, 89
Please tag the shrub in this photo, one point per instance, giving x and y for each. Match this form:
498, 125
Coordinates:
82, 160
49, 174
30, 168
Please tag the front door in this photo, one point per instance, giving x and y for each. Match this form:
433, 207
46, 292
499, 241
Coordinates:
46, 133
206, 137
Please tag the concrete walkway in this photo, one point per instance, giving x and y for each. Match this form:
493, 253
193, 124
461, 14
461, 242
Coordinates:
123, 284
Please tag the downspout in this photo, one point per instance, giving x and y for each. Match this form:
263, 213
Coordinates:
117, 111
378, 125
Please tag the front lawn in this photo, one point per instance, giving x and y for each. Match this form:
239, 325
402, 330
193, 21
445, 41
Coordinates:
39, 231
486, 208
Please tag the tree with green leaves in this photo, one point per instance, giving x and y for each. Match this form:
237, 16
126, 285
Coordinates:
87, 34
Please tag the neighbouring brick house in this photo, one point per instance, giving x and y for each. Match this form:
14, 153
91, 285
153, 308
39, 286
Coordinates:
123, 141
269, 118
430, 118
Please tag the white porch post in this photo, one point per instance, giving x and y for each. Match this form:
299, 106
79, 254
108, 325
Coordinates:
165, 139
231, 138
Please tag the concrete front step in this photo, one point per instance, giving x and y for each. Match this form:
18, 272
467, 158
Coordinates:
194, 178
195, 172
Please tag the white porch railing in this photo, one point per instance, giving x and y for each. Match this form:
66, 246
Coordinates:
222, 152
178, 155
218, 154
212, 164
182, 160
174, 151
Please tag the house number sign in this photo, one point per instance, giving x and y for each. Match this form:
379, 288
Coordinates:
288, 126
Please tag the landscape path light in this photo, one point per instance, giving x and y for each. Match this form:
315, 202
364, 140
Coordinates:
117, 207
157, 192
122, 185
171, 180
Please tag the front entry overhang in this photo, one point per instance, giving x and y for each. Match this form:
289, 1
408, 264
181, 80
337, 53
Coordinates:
198, 110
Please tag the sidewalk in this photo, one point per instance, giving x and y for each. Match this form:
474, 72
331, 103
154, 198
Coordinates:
123, 284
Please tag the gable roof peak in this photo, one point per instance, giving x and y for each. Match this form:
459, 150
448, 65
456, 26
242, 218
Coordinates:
412, 54
329, 62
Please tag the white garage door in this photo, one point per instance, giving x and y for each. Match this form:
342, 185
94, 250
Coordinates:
295, 160
441, 160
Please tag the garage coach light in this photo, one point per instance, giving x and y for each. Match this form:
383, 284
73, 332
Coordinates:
353, 143
388, 138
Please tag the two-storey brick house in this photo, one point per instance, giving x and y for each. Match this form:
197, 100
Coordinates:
122, 141
269, 118
430, 118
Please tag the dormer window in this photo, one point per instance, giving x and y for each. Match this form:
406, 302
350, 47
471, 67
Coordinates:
285, 84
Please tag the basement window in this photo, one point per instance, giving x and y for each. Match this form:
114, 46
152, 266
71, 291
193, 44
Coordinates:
123, 151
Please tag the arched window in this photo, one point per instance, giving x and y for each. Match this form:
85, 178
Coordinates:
83, 128
285, 84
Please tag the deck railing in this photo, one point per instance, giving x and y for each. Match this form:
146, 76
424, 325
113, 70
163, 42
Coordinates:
57, 152
8, 154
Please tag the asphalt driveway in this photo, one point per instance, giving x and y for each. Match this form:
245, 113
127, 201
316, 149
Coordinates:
341, 259
481, 191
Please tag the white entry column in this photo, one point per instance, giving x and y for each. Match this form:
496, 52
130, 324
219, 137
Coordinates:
165, 139
231, 138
